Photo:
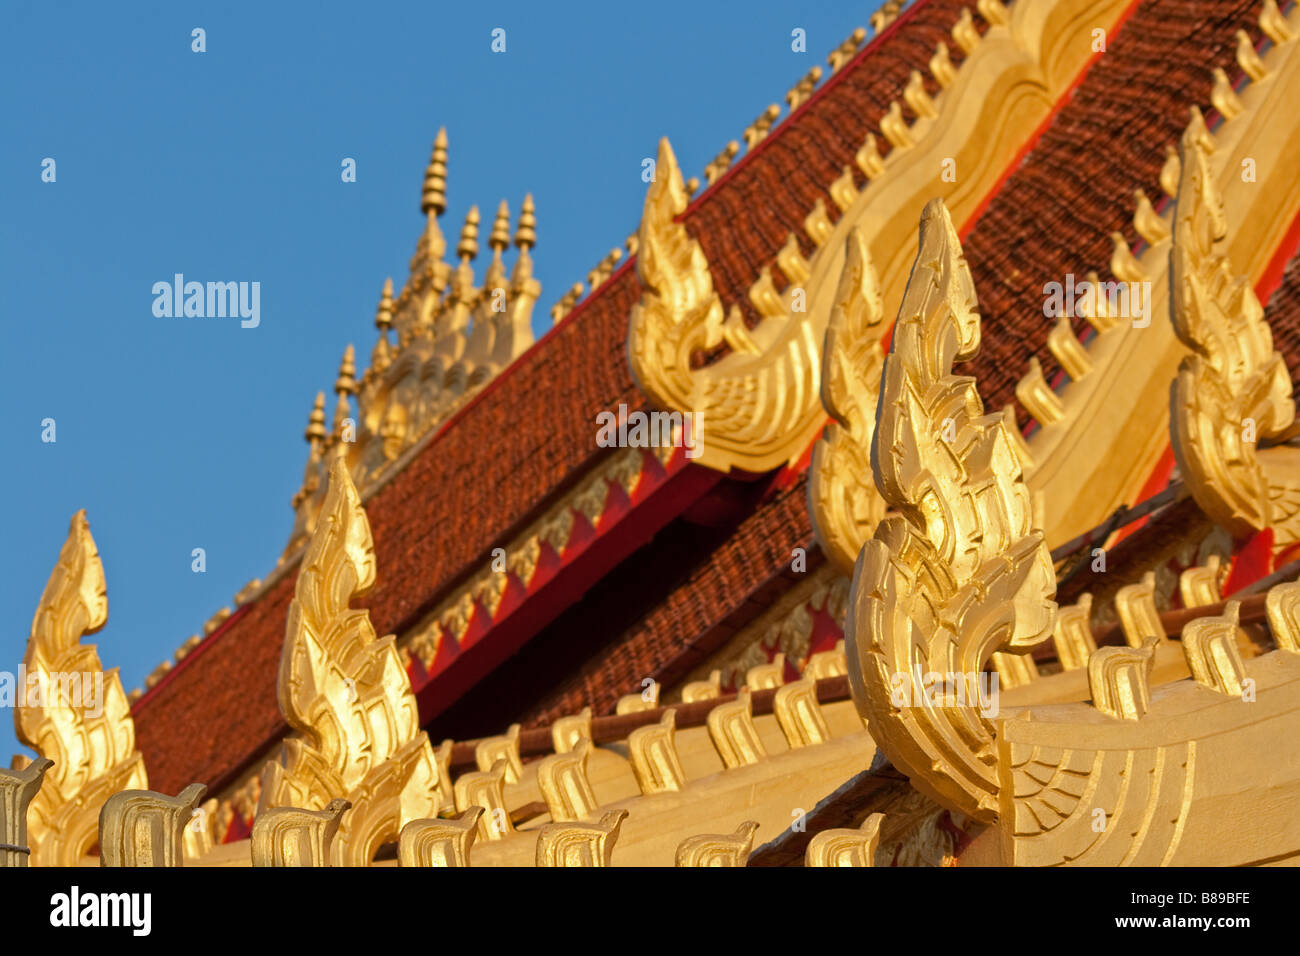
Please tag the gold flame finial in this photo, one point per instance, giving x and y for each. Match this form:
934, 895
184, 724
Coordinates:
94, 756
435, 177
346, 694
959, 573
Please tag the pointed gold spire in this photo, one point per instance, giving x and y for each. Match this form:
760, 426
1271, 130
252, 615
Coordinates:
345, 385
380, 356
435, 177
315, 433
526, 231
499, 241
467, 249
384, 314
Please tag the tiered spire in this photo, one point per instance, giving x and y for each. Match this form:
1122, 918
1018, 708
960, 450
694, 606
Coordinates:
451, 335
345, 385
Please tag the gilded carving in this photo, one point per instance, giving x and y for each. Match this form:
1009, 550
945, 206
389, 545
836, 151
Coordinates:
94, 756
1233, 391
842, 499
959, 573
579, 844
437, 842
290, 836
346, 694
718, 850
17, 788
653, 753
143, 828
846, 847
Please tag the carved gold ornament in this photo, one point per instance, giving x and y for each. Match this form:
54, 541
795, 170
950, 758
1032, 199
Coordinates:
1234, 390
94, 755
960, 572
757, 404
842, 498
347, 695
143, 828
1131, 777
17, 788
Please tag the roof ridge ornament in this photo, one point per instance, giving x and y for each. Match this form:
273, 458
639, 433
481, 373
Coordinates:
959, 572
347, 695
1234, 390
94, 756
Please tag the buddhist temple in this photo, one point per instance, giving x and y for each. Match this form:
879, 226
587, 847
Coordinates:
918, 486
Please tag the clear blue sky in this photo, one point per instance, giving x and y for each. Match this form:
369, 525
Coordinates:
175, 434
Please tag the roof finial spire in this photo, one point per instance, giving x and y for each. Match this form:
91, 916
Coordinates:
500, 238
345, 385
435, 177
384, 314
380, 355
315, 433
526, 232
468, 247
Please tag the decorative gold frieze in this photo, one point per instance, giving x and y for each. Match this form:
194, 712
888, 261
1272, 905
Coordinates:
732, 730
17, 788
1139, 618
562, 779
1210, 646
799, 714
94, 753
567, 732
579, 844
846, 847
143, 828
703, 689
504, 747
1283, 608
437, 842
1038, 398
1117, 678
1068, 350
1203, 584
486, 789
717, 849
1150, 225
1072, 634
653, 753
1273, 24
346, 694
290, 836
768, 675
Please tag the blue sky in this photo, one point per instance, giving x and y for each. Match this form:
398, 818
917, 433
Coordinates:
175, 434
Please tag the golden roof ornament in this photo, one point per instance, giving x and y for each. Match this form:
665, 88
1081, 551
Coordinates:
94, 756
842, 498
434, 198
1234, 390
959, 573
346, 694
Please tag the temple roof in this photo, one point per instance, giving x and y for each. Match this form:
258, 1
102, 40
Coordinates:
525, 440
